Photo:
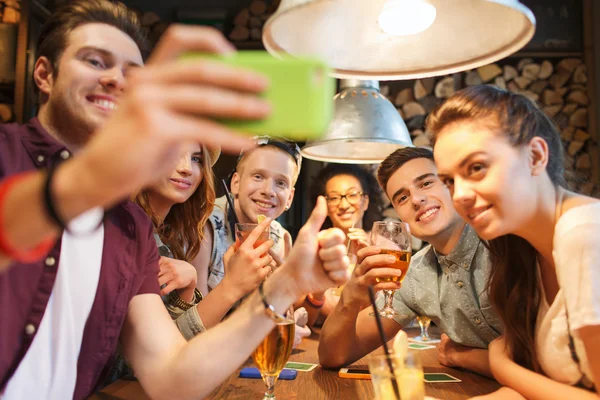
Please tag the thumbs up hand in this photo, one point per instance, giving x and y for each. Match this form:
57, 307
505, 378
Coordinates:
318, 258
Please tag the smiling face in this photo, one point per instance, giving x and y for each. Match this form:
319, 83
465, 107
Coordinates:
351, 208
263, 184
85, 91
421, 200
183, 181
490, 180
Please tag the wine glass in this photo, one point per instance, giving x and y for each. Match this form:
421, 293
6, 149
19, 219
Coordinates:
393, 237
424, 323
274, 351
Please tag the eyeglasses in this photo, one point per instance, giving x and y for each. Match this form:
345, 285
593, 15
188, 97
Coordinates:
352, 198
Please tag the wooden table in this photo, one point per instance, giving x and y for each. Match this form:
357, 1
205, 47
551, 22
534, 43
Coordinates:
321, 384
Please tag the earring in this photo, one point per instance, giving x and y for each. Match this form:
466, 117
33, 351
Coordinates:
287, 208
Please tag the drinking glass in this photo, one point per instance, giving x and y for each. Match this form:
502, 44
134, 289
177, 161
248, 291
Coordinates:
272, 354
424, 323
242, 231
408, 374
393, 238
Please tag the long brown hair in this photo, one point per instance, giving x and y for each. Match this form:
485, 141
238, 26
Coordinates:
514, 287
182, 229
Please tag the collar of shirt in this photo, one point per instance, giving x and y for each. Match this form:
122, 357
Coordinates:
463, 253
41, 147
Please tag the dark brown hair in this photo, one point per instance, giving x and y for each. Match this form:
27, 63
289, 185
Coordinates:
369, 187
182, 229
396, 160
55, 33
514, 287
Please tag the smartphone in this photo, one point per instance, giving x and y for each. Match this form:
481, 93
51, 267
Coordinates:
301, 94
254, 373
354, 373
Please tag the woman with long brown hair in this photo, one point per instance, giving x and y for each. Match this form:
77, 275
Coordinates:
179, 206
502, 159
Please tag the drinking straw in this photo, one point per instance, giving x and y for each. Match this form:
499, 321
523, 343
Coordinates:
230, 201
384, 342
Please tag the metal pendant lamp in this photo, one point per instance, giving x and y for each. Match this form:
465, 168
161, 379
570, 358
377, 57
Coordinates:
365, 129
399, 39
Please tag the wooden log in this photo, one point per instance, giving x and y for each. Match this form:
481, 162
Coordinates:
569, 108
404, 96
489, 72
500, 82
559, 79
422, 141
546, 70
385, 90
550, 98
579, 118
561, 120
538, 86
444, 88
11, 16
578, 97
255, 34
523, 62
254, 22
512, 87
239, 34
419, 90
473, 78
522, 82
551, 111
258, 7
581, 135
416, 133
562, 91
568, 65
242, 18
416, 122
412, 109
574, 147
580, 74
510, 73
429, 103
567, 133
578, 86
531, 71
530, 95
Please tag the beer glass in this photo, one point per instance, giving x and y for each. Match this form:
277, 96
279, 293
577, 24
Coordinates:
273, 353
393, 238
242, 231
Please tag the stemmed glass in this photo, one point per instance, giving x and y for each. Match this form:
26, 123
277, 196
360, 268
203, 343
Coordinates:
393, 237
273, 353
424, 323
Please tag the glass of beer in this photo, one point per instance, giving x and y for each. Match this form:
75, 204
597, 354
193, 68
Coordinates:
393, 238
408, 374
273, 353
242, 231
424, 323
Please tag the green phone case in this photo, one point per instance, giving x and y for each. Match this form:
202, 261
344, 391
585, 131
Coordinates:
300, 93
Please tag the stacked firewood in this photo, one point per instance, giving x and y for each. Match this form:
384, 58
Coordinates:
558, 86
248, 22
10, 11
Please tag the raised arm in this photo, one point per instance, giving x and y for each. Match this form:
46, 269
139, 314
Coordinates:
349, 332
169, 367
154, 120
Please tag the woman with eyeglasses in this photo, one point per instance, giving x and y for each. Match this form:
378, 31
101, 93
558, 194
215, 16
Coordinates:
354, 203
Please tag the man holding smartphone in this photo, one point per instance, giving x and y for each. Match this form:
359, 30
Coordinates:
446, 280
75, 280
